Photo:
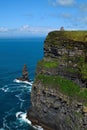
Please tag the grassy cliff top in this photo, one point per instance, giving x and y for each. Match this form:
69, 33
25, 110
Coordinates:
80, 36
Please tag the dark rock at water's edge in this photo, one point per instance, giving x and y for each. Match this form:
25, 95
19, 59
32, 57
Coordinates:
24, 74
59, 92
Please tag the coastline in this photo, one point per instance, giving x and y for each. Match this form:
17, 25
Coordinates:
36, 122
21, 81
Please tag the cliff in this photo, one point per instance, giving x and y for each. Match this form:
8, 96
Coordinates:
59, 93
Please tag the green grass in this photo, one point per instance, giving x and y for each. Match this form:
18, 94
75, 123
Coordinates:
72, 70
48, 64
82, 65
72, 35
83, 69
65, 86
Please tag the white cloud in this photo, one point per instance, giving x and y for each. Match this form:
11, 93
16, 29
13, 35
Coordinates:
25, 30
65, 2
83, 7
84, 19
62, 2
34, 30
66, 15
3, 29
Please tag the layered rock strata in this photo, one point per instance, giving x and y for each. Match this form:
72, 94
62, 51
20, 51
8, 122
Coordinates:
59, 93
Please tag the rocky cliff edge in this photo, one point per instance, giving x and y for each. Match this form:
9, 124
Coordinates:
59, 92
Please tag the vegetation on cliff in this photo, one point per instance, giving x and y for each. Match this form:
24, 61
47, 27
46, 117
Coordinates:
65, 86
80, 36
65, 52
59, 93
70, 49
48, 64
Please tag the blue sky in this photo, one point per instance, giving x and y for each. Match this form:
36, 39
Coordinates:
38, 17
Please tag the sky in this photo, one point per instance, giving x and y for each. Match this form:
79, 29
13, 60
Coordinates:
38, 17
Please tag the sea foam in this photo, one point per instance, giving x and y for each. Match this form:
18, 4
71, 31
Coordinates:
19, 81
2, 129
23, 117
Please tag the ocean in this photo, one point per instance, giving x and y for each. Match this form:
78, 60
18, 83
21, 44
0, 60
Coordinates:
15, 97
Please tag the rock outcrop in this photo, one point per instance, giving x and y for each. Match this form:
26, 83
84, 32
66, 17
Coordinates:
59, 93
24, 74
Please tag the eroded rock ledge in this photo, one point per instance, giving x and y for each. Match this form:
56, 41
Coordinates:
59, 93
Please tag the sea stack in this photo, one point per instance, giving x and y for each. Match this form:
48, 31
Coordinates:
24, 74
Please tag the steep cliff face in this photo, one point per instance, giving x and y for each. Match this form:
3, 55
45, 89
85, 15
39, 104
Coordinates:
59, 93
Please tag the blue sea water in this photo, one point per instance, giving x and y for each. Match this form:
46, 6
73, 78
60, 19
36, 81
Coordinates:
15, 97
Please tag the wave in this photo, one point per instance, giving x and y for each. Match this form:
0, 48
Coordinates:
5, 118
9, 88
23, 117
17, 86
2, 129
19, 81
38, 127
5, 88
